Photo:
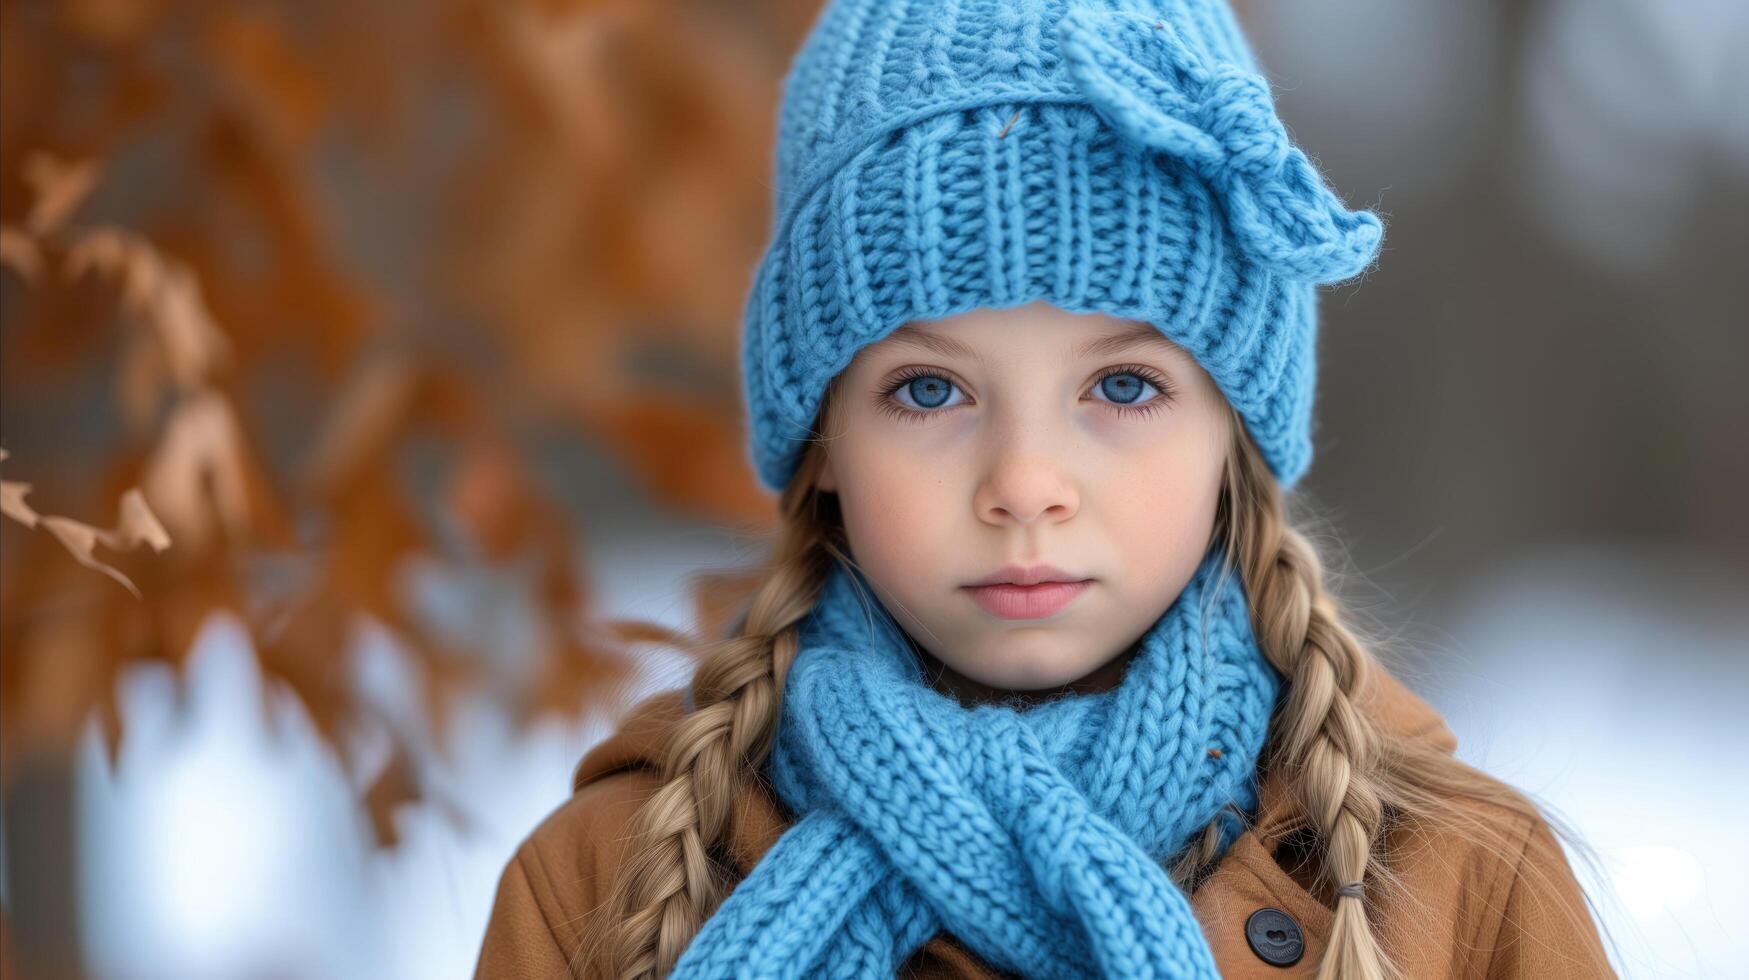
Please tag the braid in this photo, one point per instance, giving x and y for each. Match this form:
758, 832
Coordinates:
668, 883
1335, 750
1350, 779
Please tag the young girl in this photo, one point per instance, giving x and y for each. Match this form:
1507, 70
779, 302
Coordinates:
1039, 680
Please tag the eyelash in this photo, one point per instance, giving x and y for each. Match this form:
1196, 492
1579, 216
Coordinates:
907, 375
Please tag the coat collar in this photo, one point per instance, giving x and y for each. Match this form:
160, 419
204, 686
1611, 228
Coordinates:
759, 821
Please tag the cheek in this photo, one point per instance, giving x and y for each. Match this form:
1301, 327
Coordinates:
892, 513
1160, 508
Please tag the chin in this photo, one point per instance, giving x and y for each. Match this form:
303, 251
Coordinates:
1025, 677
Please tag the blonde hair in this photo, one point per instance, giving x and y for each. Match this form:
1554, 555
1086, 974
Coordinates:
1350, 780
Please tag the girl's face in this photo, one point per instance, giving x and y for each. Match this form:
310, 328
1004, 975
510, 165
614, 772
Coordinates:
1025, 437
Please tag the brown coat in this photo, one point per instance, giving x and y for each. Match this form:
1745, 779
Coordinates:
1471, 913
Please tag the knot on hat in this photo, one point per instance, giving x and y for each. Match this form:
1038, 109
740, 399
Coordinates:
1236, 111
1142, 77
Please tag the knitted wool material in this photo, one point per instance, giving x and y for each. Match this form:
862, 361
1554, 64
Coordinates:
937, 156
1038, 835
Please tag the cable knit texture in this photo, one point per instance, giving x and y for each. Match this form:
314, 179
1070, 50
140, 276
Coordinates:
937, 156
1039, 835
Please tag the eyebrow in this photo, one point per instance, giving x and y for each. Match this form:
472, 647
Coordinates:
1142, 334
910, 336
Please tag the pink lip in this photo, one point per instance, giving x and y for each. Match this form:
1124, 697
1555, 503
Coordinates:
1025, 575
1027, 601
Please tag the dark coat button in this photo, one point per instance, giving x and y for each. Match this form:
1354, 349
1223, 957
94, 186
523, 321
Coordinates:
1274, 937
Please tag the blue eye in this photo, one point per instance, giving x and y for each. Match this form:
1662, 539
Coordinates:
929, 391
1123, 388
1125, 385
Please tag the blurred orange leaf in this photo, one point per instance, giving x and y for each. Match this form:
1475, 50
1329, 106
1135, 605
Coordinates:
135, 526
60, 187
20, 253
492, 497
261, 69
361, 421
162, 293
197, 473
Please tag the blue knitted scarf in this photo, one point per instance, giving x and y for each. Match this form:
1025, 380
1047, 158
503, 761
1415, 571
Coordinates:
1039, 836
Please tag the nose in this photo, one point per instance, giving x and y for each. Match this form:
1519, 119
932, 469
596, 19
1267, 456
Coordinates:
1025, 488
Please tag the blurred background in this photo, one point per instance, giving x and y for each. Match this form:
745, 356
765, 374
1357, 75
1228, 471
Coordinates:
370, 408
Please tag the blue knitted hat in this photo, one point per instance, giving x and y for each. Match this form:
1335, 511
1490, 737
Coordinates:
937, 156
